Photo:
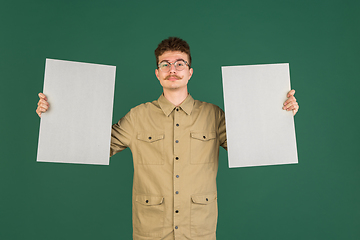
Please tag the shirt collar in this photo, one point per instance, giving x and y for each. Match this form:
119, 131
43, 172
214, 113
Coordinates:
167, 107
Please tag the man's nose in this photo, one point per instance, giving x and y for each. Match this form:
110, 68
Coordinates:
172, 68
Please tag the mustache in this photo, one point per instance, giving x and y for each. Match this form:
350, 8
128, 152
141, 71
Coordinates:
175, 76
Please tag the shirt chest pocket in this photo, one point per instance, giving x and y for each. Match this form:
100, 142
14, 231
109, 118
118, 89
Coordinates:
203, 147
150, 148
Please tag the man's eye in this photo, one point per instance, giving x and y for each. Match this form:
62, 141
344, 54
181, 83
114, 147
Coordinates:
164, 65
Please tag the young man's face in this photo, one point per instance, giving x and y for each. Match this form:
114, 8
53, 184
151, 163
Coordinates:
174, 79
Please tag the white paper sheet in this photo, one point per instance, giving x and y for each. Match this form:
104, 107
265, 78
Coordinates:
77, 126
259, 131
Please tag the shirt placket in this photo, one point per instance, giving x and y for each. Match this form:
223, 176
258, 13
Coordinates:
176, 173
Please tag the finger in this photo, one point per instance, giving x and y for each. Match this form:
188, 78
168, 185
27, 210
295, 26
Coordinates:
43, 102
290, 106
41, 108
291, 93
42, 96
295, 110
38, 112
290, 99
287, 106
295, 106
44, 107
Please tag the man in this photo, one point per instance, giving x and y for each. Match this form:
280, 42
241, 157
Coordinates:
175, 145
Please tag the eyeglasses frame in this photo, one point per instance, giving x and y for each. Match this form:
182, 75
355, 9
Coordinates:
186, 63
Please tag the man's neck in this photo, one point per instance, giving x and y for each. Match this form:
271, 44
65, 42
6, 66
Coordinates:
176, 96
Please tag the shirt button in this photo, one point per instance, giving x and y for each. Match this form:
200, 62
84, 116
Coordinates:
177, 192
204, 137
149, 138
177, 125
177, 109
177, 141
176, 227
177, 176
177, 211
177, 158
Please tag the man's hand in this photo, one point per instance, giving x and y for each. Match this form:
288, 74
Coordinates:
290, 103
43, 105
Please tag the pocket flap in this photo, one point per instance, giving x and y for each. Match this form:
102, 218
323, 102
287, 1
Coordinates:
204, 136
150, 137
204, 199
149, 200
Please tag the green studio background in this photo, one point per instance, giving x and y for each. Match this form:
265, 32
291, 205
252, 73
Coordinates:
315, 199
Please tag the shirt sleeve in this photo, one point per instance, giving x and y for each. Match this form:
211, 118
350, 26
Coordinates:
222, 129
121, 134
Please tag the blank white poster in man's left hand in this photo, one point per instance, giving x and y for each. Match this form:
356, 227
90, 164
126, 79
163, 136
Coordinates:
77, 126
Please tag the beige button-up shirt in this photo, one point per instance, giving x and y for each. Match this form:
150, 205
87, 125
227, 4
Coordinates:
175, 152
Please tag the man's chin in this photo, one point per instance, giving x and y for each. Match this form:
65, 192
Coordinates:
172, 86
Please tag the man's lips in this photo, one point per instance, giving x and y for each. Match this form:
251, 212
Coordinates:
173, 77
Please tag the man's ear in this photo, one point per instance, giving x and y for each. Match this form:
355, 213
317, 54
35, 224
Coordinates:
157, 74
191, 72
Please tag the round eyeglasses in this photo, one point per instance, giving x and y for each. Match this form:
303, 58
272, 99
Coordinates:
179, 65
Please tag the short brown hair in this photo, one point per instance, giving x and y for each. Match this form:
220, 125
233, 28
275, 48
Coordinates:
172, 44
